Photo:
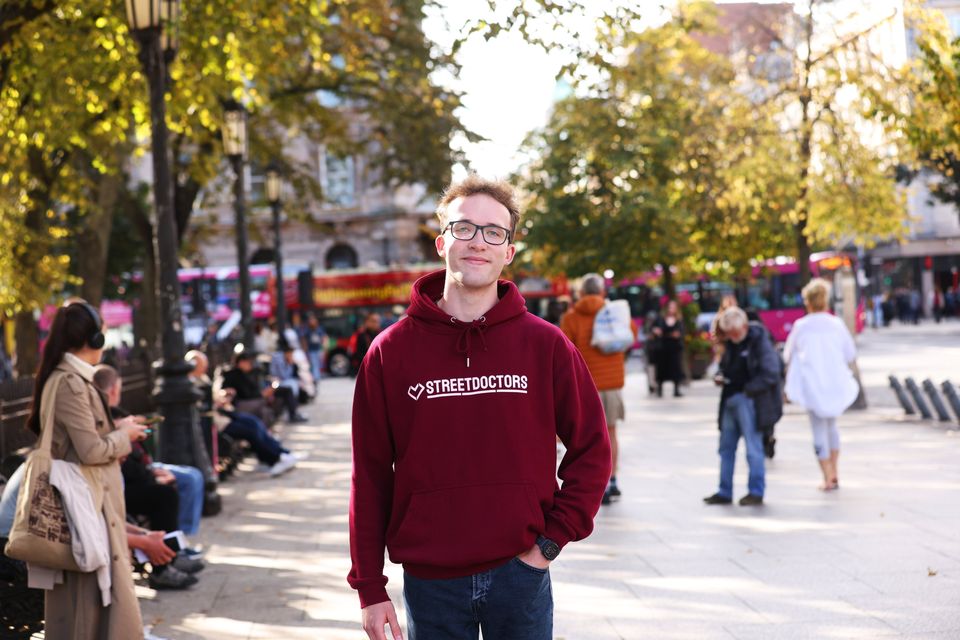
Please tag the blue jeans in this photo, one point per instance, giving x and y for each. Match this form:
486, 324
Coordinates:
244, 426
511, 602
739, 418
190, 488
316, 364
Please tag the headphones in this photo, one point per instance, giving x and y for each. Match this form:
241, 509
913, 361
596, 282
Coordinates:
97, 339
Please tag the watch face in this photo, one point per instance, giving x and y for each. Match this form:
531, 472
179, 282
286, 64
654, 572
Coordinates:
550, 549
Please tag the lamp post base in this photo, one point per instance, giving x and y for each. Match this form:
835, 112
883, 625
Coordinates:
180, 439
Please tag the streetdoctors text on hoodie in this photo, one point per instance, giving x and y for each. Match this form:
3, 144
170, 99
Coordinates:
454, 442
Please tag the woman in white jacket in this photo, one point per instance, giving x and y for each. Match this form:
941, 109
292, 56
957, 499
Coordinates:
819, 353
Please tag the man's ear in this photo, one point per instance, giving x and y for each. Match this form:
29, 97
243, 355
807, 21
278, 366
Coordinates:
511, 252
440, 244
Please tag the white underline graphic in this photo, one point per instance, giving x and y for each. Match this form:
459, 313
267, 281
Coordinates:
474, 393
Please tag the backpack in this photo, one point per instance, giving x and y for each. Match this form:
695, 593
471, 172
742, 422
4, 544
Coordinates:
611, 327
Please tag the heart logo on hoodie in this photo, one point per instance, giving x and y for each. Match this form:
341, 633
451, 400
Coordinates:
415, 391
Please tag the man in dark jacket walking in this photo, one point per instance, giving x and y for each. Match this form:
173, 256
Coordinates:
750, 375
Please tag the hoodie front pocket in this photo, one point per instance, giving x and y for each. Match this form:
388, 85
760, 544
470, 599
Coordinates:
467, 525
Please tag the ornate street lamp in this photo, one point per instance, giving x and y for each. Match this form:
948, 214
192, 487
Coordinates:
235, 148
273, 197
180, 438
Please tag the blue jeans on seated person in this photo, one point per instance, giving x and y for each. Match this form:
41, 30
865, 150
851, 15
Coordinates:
190, 488
739, 418
511, 602
245, 426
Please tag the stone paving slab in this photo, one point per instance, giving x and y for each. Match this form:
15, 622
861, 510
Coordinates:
878, 559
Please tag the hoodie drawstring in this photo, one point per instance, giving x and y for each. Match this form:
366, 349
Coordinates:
464, 342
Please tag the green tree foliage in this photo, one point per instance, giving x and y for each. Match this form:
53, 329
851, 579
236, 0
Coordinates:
73, 111
630, 170
842, 167
674, 155
926, 112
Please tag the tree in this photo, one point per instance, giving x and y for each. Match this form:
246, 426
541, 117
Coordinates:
718, 158
926, 113
845, 191
72, 122
630, 167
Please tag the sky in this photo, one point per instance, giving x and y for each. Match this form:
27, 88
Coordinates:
509, 86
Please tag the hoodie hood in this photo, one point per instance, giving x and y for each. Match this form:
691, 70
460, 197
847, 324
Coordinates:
424, 310
589, 305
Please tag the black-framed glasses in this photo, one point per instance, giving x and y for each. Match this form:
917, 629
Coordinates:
491, 233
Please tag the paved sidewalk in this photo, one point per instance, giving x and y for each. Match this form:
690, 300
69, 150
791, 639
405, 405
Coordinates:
878, 559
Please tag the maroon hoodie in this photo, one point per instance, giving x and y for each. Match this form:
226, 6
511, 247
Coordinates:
454, 442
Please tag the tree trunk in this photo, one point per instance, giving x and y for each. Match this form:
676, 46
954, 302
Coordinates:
806, 156
146, 325
668, 285
28, 343
93, 241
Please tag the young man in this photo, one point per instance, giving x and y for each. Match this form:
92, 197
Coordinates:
314, 340
455, 419
608, 370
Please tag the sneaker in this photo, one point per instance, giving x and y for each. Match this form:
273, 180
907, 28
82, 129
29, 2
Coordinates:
297, 418
171, 578
717, 499
193, 552
188, 565
614, 491
751, 500
285, 463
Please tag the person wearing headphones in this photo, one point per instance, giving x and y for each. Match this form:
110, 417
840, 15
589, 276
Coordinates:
84, 433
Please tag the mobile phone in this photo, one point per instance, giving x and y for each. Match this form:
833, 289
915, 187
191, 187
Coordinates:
174, 540
152, 420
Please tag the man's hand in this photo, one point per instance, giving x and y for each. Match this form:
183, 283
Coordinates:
156, 549
376, 616
163, 476
534, 558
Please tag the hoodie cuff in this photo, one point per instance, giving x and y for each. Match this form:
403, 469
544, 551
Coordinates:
372, 595
553, 531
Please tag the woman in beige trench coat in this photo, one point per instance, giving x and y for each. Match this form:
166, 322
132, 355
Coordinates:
84, 433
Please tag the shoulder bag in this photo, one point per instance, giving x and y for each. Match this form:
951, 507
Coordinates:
40, 534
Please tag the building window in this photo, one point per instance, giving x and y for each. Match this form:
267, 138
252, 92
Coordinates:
341, 256
339, 184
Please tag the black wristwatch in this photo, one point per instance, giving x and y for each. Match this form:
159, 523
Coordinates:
548, 548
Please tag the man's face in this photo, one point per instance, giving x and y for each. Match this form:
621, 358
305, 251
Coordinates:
199, 367
245, 365
373, 323
288, 356
113, 396
474, 263
737, 335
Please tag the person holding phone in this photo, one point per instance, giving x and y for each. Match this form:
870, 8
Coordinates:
85, 433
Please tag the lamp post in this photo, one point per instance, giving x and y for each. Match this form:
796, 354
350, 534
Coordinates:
235, 148
273, 196
180, 438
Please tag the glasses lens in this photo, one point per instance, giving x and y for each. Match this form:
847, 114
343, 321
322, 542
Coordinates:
495, 235
463, 230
